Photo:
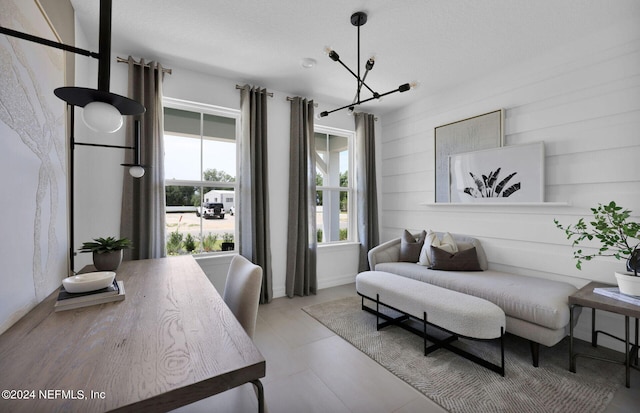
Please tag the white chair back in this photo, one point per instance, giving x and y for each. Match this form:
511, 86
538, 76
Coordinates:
242, 291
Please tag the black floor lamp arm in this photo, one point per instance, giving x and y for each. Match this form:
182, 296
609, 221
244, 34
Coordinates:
47, 42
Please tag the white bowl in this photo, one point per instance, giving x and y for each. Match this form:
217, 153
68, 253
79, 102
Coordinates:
90, 281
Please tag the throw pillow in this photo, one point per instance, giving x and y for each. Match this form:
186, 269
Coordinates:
410, 247
447, 243
465, 260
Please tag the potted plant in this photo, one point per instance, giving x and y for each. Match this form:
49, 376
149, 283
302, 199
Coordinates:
107, 252
227, 242
618, 236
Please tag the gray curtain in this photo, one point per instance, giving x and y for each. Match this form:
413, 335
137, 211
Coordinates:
367, 198
143, 200
253, 208
301, 235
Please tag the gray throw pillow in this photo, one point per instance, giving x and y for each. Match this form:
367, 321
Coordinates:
465, 260
410, 246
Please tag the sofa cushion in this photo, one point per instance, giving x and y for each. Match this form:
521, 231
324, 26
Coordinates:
537, 300
465, 260
411, 246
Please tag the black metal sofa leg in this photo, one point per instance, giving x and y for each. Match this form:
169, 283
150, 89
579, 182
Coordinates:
535, 352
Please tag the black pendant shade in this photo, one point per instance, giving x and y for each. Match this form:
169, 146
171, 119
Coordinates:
82, 96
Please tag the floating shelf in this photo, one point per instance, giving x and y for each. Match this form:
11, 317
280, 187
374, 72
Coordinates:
481, 204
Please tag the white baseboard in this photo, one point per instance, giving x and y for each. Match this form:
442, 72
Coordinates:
322, 284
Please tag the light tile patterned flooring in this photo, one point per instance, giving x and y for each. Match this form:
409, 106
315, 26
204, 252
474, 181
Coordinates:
311, 370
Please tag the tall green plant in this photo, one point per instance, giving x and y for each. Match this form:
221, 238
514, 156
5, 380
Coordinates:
610, 226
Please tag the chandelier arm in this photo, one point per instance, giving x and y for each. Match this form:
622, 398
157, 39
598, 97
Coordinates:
360, 83
401, 88
354, 75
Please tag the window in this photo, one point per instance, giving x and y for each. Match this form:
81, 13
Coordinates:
200, 164
334, 185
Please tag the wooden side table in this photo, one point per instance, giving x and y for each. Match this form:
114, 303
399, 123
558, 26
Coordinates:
585, 297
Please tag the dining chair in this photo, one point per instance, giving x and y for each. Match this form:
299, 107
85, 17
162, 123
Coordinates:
242, 291
242, 296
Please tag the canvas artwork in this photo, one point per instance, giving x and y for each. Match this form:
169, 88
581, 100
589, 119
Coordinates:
507, 174
33, 221
477, 133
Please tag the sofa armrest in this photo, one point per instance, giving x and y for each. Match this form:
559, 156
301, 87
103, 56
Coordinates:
386, 252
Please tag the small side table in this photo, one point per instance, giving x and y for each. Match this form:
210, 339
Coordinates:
585, 297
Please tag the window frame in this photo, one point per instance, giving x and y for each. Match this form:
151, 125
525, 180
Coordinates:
207, 109
352, 235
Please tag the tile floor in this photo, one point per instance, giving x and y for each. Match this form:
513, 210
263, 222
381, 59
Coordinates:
311, 370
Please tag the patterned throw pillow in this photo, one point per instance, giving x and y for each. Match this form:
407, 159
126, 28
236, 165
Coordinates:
410, 247
447, 243
465, 260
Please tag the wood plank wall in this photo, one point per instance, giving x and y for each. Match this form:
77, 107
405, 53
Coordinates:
583, 101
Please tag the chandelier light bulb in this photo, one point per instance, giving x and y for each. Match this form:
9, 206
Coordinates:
102, 117
136, 171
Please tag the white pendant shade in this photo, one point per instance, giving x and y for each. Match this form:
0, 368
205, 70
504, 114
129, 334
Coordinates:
102, 117
136, 171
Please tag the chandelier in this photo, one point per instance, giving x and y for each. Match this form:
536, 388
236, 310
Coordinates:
359, 19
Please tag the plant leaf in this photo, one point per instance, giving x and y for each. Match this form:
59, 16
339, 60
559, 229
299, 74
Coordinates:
504, 182
513, 188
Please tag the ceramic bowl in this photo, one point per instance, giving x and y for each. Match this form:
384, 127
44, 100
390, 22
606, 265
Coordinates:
628, 283
90, 281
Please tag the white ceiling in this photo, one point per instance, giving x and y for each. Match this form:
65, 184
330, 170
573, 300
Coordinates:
438, 43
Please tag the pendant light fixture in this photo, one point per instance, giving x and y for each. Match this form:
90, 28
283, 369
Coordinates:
359, 19
103, 110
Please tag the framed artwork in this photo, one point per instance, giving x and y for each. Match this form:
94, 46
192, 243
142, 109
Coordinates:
477, 133
506, 174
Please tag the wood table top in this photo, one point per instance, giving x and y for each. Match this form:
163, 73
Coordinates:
587, 298
171, 342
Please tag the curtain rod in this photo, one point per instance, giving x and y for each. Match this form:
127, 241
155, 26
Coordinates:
289, 98
270, 94
122, 60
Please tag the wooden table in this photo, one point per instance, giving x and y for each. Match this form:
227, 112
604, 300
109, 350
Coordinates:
585, 297
171, 342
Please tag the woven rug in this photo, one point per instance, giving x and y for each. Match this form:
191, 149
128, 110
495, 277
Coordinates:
460, 385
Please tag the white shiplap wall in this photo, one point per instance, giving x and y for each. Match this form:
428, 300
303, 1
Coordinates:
583, 101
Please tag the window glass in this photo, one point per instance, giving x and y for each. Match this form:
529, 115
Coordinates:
200, 172
334, 185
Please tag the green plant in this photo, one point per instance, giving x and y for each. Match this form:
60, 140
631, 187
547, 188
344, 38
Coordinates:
227, 237
102, 245
174, 243
189, 243
610, 226
209, 242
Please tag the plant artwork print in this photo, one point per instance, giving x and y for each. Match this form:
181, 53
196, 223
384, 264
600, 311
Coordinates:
489, 186
510, 174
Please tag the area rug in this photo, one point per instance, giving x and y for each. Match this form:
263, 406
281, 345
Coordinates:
459, 385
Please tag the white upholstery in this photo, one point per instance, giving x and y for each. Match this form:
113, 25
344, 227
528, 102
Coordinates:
459, 313
390, 250
242, 291
536, 308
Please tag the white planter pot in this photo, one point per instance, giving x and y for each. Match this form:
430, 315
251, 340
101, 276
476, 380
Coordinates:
628, 283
